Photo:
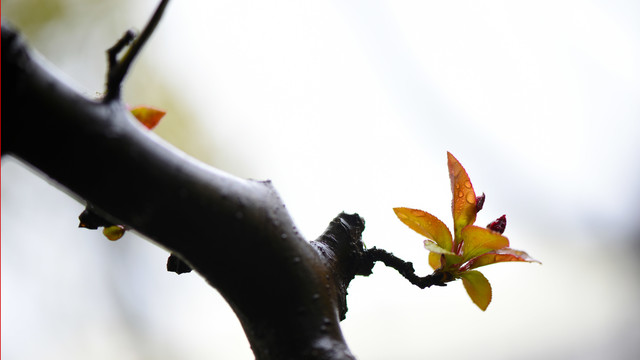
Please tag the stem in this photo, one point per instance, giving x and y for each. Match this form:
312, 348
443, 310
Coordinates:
405, 268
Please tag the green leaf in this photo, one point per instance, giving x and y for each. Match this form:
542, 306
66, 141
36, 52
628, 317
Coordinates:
477, 287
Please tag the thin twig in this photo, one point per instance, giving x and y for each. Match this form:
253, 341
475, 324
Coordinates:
405, 268
119, 68
112, 53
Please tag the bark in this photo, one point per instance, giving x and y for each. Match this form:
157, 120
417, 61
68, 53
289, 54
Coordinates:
288, 294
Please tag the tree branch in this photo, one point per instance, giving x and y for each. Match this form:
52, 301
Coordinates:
236, 233
119, 68
405, 268
289, 294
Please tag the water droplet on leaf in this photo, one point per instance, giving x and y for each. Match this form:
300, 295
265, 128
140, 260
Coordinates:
471, 199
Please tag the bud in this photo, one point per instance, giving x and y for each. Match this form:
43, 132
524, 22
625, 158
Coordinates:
114, 232
176, 265
499, 225
479, 202
90, 220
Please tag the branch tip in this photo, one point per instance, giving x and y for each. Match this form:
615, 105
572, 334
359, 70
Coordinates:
119, 68
112, 52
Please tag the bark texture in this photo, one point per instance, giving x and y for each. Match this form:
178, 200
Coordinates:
289, 294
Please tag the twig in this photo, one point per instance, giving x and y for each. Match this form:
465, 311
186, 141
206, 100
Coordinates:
405, 268
119, 68
112, 53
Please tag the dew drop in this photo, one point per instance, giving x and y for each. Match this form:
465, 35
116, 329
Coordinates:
467, 184
471, 199
460, 194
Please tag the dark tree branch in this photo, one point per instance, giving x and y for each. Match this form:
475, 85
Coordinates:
112, 60
236, 233
289, 294
340, 247
119, 68
405, 268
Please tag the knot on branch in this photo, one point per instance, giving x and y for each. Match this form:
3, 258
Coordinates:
346, 256
341, 248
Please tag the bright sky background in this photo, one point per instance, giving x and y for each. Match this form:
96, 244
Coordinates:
352, 105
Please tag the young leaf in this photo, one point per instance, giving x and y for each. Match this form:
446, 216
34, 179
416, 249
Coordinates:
501, 255
449, 257
477, 287
427, 225
463, 204
478, 241
148, 116
434, 248
435, 260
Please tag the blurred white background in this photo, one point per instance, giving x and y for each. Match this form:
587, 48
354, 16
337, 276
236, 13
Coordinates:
352, 105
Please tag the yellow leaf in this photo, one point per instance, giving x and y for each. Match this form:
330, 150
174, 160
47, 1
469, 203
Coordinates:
435, 260
478, 241
427, 225
463, 204
477, 287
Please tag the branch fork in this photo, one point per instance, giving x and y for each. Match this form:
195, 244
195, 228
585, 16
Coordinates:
118, 67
